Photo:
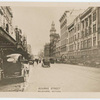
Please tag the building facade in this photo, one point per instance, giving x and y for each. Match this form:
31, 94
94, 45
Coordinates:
83, 35
21, 43
7, 34
47, 50
64, 33
58, 49
74, 37
10, 37
6, 17
29, 49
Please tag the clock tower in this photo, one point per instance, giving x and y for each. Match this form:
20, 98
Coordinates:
52, 32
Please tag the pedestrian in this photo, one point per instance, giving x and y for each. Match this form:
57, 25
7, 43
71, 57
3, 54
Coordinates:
1, 63
33, 62
37, 61
27, 68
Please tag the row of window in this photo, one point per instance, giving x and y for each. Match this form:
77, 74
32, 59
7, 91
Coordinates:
63, 24
77, 28
63, 49
71, 47
65, 35
83, 34
88, 20
83, 44
5, 24
63, 30
63, 42
86, 32
74, 38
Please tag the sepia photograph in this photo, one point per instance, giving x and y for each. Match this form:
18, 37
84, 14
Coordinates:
50, 48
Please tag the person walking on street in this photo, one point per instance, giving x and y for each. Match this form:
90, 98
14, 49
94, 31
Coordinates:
33, 62
36, 61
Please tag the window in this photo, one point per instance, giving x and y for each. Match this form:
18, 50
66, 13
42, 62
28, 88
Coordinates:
89, 43
75, 29
78, 27
94, 16
90, 20
94, 41
85, 44
86, 32
4, 23
86, 22
75, 46
75, 37
81, 44
99, 30
82, 34
0, 18
78, 46
82, 24
90, 30
94, 28
7, 27
78, 35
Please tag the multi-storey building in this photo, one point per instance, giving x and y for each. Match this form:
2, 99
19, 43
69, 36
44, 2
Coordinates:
68, 30
84, 35
10, 38
64, 34
18, 36
29, 49
7, 34
21, 42
47, 50
58, 49
74, 37
24, 42
71, 39
90, 26
6, 17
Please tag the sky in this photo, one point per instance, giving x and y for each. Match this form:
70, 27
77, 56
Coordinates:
35, 23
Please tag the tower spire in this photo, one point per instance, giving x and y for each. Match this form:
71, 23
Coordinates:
52, 30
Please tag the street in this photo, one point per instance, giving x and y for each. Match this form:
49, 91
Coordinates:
58, 78
63, 78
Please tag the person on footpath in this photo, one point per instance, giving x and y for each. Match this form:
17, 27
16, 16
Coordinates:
28, 68
33, 62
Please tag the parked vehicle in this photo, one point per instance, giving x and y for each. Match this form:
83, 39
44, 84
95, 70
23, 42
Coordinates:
52, 61
31, 62
13, 67
46, 62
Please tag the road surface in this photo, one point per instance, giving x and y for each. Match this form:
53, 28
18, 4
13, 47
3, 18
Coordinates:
63, 78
